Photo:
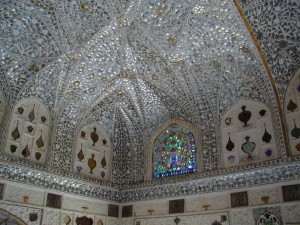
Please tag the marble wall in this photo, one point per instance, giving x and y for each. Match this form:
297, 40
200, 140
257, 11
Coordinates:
263, 204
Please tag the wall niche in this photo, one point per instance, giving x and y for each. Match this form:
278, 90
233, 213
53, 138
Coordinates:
29, 131
92, 152
292, 113
247, 134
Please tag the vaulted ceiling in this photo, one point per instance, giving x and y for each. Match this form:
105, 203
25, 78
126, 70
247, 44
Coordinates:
133, 65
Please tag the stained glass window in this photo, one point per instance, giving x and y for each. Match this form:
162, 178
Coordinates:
174, 152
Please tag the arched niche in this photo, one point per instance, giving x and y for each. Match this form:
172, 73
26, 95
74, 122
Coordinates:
247, 134
10, 218
93, 152
162, 139
292, 113
28, 136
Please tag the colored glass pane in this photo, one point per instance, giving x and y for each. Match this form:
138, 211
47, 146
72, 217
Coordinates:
174, 152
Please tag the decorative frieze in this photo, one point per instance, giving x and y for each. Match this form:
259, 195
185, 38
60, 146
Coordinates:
284, 170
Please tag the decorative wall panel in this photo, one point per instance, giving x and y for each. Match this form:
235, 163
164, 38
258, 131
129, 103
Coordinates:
239, 199
127, 221
54, 200
264, 196
292, 113
93, 153
51, 217
113, 221
242, 217
76, 204
248, 134
268, 215
67, 218
291, 213
24, 213
207, 203
24, 195
291, 192
29, 131
151, 208
187, 220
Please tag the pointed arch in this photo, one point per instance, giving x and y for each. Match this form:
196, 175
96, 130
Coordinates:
28, 136
173, 150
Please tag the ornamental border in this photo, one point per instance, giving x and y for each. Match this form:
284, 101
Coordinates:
269, 173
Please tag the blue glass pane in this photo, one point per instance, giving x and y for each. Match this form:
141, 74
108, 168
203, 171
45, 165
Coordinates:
174, 153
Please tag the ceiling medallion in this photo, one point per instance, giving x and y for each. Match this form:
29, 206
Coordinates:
171, 41
199, 9
79, 39
101, 104
73, 57
154, 77
46, 6
123, 21
160, 10
215, 64
168, 71
91, 76
76, 83
83, 6
230, 58
33, 67
131, 107
120, 93
197, 68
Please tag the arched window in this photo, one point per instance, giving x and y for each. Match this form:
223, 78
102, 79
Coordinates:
29, 131
174, 152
